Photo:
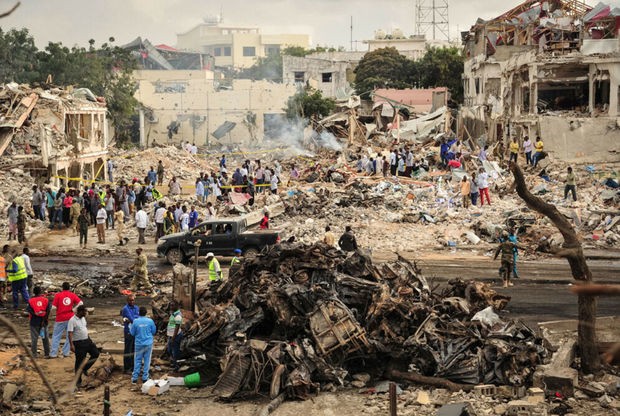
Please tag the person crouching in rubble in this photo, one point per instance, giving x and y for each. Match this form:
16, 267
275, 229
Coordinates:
215, 271
347, 241
174, 333
506, 247
264, 223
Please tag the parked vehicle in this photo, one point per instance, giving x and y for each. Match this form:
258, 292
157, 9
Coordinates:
221, 237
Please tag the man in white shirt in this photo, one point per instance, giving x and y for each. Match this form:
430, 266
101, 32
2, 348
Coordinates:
194, 150
184, 219
393, 162
101, 218
274, 184
142, 221
159, 221
80, 342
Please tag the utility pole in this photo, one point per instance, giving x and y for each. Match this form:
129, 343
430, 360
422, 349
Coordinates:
432, 15
351, 33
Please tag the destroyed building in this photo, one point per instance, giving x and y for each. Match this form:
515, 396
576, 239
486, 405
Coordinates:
194, 106
57, 133
164, 57
548, 69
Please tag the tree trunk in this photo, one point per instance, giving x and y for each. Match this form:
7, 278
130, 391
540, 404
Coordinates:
573, 253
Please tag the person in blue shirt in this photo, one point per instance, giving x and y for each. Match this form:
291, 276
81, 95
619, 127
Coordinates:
152, 176
193, 217
143, 329
130, 312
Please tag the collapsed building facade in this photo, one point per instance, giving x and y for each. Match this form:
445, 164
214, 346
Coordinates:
56, 133
550, 69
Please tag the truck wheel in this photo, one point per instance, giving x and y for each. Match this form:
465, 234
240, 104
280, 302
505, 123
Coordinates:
174, 256
251, 252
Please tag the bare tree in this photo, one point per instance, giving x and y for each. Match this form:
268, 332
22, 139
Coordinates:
572, 251
5, 14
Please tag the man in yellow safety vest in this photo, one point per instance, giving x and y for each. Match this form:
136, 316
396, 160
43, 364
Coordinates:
18, 277
215, 271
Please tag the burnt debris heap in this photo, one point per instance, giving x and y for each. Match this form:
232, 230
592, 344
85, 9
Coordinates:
297, 316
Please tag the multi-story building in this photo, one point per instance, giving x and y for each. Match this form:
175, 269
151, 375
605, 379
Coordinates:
236, 46
192, 105
548, 69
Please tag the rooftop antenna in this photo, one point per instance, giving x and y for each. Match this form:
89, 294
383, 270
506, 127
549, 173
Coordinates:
432, 15
221, 19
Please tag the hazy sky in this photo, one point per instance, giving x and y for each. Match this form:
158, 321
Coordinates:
326, 21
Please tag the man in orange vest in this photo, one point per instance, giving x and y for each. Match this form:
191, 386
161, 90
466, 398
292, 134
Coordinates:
39, 308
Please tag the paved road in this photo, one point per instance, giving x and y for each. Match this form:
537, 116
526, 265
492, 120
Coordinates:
542, 294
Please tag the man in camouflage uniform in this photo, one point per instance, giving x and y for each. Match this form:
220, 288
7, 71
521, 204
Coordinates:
506, 247
140, 272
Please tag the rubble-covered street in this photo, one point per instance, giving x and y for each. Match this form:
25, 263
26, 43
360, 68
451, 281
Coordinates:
244, 222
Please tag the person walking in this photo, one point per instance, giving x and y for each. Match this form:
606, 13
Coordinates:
18, 277
142, 329
39, 308
29, 273
140, 272
142, 221
63, 302
215, 271
81, 344
506, 247
483, 186
571, 184
83, 223
101, 218
129, 313
119, 220
74, 213
347, 241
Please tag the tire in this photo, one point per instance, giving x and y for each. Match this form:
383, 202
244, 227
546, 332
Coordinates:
250, 252
174, 256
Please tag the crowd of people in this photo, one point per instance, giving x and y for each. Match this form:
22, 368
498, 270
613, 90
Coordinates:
110, 206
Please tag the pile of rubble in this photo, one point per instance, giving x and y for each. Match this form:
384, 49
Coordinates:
297, 317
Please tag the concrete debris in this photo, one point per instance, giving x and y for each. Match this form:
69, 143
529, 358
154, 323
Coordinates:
290, 315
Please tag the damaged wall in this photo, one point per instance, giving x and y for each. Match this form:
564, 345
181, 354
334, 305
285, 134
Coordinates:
199, 107
581, 139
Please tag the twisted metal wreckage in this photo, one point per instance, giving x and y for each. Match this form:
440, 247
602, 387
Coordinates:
297, 316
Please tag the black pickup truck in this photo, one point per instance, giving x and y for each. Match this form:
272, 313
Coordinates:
221, 237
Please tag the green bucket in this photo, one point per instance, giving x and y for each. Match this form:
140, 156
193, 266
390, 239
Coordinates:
192, 380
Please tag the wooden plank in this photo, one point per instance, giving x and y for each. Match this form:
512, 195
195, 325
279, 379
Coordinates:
29, 102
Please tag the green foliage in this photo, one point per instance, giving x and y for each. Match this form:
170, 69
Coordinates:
309, 103
18, 61
106, 71
269, 67
387, 68
383, 68
442, 67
